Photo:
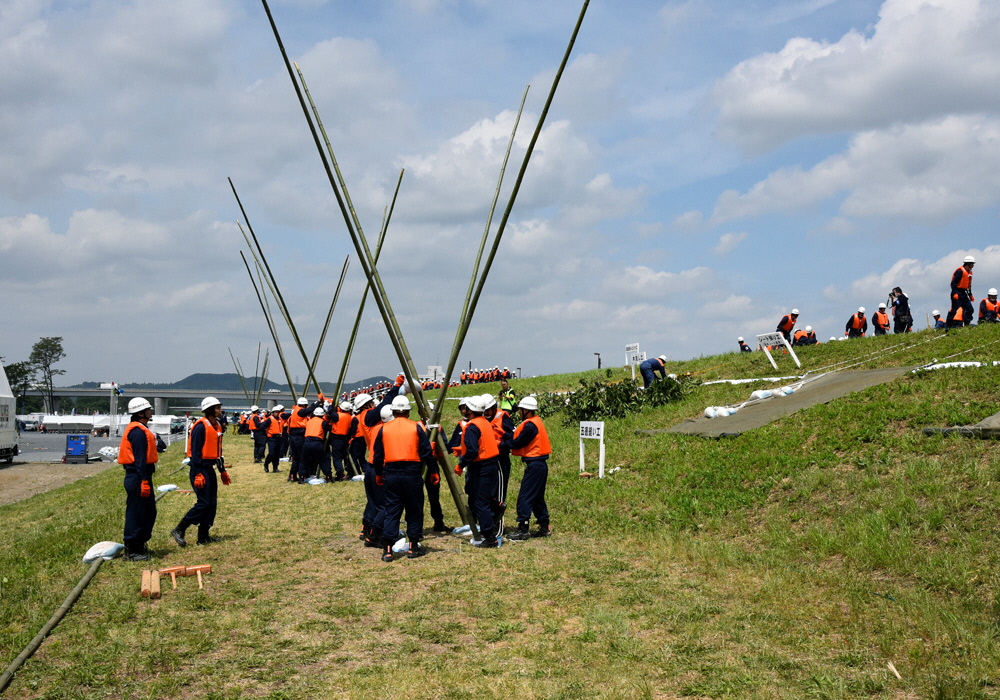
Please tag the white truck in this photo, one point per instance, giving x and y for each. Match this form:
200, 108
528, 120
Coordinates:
8, 421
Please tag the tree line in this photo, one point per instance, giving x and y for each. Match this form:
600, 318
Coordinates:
37, 372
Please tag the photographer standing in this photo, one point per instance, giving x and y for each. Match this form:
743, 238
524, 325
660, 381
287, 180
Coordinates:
902, 319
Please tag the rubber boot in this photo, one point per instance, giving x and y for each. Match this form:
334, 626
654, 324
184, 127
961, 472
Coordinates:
521, 533
543, 529
387, 554
134, 552
178, 533
374, 538
204, 537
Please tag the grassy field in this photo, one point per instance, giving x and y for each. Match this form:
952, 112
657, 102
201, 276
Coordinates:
796, 561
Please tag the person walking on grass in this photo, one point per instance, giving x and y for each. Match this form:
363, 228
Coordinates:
531, 443
138, 453
205, 453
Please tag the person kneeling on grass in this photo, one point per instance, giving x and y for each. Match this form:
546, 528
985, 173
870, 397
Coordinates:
531, 444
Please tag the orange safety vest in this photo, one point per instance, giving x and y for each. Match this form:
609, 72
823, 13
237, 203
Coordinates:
297, 421
368, 433
400, 441
787, 323
125, 454
488, 447
959, 315
459, 449
497, 424
274, 427
316, 427
881, 319
800, 335
343, 424
965, 282
857, 321
212, 449
540, 446
254, 422
988, 305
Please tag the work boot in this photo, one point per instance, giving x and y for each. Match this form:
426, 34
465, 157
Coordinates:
439, 526
265, 469
364, 532
374, 538
415, 551
387, 554
487, 543
521, 533
136, 553
204, 537
178, 533
543, 529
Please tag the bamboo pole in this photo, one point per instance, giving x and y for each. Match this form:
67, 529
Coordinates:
279, 299
270, 322
464, 323
364, 255
326, 326
239, 374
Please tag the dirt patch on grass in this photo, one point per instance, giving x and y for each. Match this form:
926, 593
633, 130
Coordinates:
25, 479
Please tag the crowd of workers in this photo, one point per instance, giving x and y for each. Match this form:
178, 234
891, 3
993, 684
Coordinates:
372, 437
901, 319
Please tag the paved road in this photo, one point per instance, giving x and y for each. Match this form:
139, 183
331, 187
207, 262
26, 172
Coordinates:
50, 447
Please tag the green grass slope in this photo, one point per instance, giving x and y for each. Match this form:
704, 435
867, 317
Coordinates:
798, 560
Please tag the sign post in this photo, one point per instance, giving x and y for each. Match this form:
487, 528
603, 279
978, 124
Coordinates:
592, 430
630, 350
766, 340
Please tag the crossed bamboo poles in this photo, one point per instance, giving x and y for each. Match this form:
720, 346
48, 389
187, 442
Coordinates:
430, 413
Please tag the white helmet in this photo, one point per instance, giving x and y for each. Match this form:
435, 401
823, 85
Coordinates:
400, 403
474, 404
528, 403
809, 329
346, 406
386, 414
740, 339
319, 411
303, 401
969, 259
138, 404
361, 400
662, 358
208, 402
278, 408
795, 312
861, 309
487, 401
882, 305
464, 401
253, 409
992, 292
935, 312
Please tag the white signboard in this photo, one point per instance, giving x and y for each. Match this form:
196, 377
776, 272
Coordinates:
768, 340
633, 347
592, 430
633, 356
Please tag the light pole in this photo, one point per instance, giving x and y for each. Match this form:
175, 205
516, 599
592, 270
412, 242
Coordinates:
598, 359
518, 372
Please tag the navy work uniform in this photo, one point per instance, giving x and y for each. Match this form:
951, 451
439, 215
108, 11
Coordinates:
138, 455
479, 459
205, 453
531, 444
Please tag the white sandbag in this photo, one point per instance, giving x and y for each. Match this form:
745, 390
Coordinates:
710, 412
761, 394
358, 477
401, 545
315, 481
462, 530
105, 550
166, 487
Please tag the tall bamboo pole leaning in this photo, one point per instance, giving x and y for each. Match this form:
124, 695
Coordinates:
396, 335
326, 326
365, 257
388, 316
464, 323
273, 285
364, 298
270, 323
239, 374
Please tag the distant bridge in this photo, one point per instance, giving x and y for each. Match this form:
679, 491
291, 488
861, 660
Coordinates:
231, 400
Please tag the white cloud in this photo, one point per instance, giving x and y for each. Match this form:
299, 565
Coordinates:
931, 171
728, 242
923, 61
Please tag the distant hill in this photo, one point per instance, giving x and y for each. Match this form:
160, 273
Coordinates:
228, 382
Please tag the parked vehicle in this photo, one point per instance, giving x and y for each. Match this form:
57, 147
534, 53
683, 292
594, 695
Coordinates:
8, 421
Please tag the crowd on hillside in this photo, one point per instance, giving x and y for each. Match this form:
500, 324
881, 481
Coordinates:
961, 313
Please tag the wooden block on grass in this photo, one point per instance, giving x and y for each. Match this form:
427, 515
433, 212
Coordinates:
144, 590
154, 584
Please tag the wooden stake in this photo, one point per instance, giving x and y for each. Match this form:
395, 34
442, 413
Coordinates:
154, 584
144, 588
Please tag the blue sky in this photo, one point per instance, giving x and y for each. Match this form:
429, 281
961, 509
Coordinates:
705, 167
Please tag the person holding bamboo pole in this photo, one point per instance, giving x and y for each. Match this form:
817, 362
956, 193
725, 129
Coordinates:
479, 460
343, 426
531, 443
369, 421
